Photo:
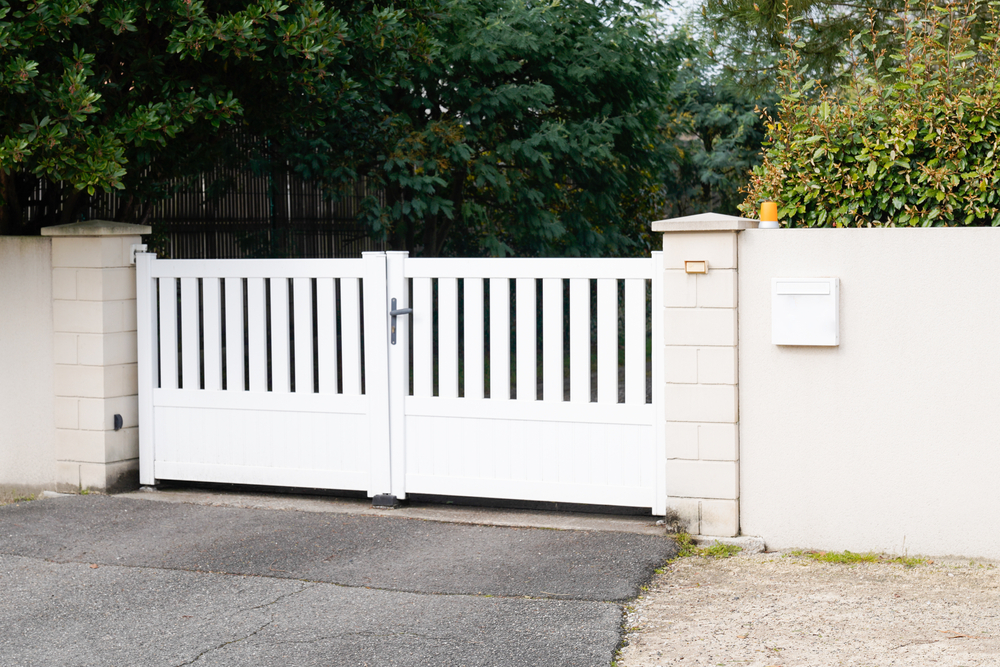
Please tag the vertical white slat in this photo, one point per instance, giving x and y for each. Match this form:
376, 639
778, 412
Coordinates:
376, 361
525, 326
635, 341
607, 340
350, 332
146, 320
398, 370
448, 337
659, 409
579, 340
302, 318
168, 333
473, 335
212, 318
500, 338
423, 337
190, 328
257, 333
281, 371
552, 339
234, 335
326, 334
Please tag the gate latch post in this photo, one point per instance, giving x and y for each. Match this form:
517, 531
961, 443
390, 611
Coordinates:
394, 312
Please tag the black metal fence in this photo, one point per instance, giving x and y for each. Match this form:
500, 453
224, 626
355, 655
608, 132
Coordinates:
241, 212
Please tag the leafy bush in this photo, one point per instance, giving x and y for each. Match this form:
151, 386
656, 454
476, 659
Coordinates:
910, 140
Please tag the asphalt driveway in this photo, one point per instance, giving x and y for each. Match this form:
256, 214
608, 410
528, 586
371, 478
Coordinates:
96, 580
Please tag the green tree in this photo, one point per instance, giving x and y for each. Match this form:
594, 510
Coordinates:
124, 95
715, 132
911, 139
533, 130
747, 37
492, 127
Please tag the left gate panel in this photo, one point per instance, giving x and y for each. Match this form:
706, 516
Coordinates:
247, 373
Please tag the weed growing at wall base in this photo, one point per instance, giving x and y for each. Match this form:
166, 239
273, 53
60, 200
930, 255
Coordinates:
14, 498
686, 547
851, 558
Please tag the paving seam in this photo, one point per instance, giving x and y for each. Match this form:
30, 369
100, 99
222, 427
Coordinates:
318, 582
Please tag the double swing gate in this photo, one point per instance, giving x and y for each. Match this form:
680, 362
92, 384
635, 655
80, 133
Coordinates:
527, 379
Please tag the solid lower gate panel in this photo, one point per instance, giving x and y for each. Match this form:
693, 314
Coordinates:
314, 441
531, 450
554, 461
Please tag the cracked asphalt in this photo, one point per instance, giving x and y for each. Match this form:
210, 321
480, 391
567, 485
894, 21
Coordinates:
108, 581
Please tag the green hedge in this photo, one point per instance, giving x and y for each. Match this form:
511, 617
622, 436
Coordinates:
911, 140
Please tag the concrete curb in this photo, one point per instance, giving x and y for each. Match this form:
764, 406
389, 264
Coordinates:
473, 515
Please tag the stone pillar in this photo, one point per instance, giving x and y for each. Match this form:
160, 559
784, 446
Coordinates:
701, 397
94, 323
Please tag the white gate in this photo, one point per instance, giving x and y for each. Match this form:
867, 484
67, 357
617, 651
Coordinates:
531, 379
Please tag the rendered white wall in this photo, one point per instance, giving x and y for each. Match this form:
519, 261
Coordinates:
27, 430
890, 441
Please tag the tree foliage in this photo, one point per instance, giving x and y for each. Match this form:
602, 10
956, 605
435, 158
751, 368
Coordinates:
492, 127
911, 139
532, 130
749, 36
714, 136
121, 95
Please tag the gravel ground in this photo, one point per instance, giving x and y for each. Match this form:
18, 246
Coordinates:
776, 609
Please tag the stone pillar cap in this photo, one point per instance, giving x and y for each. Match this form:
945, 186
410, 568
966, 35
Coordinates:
97, 228
705, 222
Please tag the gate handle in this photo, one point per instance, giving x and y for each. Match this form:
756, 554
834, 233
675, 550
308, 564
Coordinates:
394, 312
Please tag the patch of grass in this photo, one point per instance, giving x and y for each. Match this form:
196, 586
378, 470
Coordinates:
13, 498
908, 561
846, 557
686, 547
720, 550
850, 558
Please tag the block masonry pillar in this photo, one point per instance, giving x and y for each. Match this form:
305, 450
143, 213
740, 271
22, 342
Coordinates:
94, 323
701, 359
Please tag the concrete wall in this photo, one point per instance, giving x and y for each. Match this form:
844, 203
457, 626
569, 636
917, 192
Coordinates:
27, 429
890, 441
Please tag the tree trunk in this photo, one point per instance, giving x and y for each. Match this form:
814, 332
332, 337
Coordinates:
71, 206
411, 238
399, 232
10, 212
126, 209
430, 236
457, 198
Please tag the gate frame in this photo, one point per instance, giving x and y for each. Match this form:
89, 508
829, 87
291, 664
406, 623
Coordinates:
386, 374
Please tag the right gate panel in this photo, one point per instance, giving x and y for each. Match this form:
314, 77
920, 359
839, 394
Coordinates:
533, 380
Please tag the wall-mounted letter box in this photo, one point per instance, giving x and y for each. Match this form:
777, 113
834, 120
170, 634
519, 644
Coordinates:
805, 311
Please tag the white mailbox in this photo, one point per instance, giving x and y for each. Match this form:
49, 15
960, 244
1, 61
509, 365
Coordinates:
805, 311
